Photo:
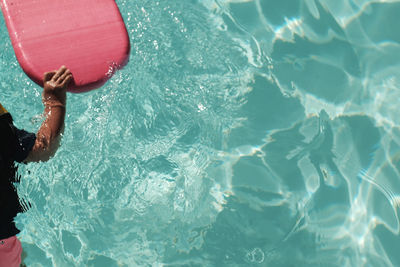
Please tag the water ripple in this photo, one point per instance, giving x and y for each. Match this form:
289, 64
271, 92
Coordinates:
241, 133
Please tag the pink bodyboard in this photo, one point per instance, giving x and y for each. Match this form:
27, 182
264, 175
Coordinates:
87, 36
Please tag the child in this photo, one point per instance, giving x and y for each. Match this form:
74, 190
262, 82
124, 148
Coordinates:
20, 146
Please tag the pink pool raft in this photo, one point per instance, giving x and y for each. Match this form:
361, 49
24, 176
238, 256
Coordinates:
87, 36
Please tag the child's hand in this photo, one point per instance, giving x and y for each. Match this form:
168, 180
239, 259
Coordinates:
55, 84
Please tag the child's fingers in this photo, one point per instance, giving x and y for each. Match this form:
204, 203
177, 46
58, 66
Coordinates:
67, 80
59, 73
64, 75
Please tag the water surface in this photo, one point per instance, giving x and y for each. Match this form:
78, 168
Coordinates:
241, 133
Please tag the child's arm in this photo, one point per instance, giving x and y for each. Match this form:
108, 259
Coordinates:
54, 100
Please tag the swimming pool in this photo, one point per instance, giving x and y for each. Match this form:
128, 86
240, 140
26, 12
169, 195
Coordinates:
241, 133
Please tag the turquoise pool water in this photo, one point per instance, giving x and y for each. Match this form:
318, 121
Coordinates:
241, 133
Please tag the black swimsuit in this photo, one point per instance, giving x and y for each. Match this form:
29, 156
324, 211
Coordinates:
15, 146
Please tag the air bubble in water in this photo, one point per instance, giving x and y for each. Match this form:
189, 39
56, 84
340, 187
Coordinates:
256, 255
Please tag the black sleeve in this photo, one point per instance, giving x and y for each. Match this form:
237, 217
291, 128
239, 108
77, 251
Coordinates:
24, 144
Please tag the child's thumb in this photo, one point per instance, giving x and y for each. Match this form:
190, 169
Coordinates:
48, 75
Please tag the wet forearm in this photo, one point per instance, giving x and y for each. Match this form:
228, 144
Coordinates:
49, 134
53, 124
54, 110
